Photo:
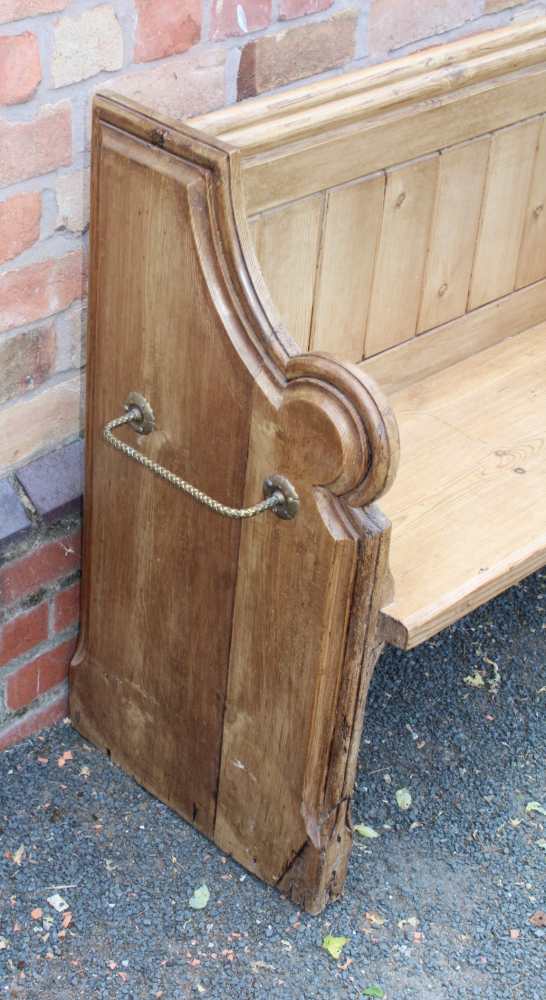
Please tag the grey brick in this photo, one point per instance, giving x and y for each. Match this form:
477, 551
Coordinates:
54, 483
13, 517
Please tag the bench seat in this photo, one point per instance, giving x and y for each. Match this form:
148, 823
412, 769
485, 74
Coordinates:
467, 505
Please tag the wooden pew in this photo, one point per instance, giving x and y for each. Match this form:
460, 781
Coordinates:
290, 282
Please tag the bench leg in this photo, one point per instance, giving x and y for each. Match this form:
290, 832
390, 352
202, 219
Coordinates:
317, 875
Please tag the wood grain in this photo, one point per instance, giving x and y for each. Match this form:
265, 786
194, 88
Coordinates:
532, 255
336, 157
350, 235
153, 683
467, 507
287, 245
401, 255
288, 631
454, 228
506, 196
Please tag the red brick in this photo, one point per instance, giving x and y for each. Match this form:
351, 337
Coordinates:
26, 360
238, 17
40, 290
14, 10
297, 8
19, 224
165, 28
35, 678
66, 608
36, 147
33, 721
46, 564
394, 23
21, 634
274, 60
20, 71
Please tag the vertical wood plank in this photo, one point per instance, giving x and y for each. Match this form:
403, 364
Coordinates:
152, 676
505, 201
287, 244
461, 179
532, 255
400, 263
350, 233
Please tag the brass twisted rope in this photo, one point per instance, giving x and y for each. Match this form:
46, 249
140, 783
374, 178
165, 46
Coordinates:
135, 415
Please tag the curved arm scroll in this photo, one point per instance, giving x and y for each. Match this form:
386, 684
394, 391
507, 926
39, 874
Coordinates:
370, 472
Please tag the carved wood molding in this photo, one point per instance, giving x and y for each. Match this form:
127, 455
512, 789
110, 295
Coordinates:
434, 74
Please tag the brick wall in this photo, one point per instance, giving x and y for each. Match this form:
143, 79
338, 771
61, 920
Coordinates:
183, 57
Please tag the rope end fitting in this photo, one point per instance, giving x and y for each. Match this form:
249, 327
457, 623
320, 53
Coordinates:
289, 502
143, 420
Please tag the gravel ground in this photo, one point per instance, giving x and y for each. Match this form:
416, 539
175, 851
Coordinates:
438, 906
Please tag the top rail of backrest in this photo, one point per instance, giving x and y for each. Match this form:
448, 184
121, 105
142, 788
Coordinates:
282, 129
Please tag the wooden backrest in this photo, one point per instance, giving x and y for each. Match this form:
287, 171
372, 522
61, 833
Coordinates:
403, 200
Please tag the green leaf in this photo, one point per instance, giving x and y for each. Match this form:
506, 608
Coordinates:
404, 799
334, 945
373, 991
474, 680
366, 831
535, 807
200, 898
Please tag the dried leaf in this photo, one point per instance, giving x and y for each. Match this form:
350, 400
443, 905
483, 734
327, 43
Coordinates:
200, 898
366, 831
535, 807
19, 855
4, 943
541, 843
37, 913
57, 902
67, 919
375, 919
373, 991
403, 799
408, 922
538, 919
334, 945
514, 934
